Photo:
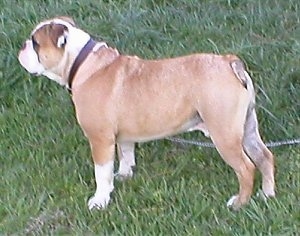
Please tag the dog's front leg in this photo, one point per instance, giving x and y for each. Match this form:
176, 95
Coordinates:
103, 156
126, 160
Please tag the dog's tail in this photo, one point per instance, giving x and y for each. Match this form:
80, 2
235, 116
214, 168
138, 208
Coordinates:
240, 72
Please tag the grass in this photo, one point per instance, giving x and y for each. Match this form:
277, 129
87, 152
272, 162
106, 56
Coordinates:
46, 168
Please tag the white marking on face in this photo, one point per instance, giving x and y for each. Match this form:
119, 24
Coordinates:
74, 40
48, 22
29, 59
104, 185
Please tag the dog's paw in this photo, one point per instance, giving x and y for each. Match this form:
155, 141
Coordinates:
233, 203
269, 192
98, 202
122, 176
125, 173
265, 195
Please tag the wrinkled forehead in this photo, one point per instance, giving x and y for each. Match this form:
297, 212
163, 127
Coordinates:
48, 22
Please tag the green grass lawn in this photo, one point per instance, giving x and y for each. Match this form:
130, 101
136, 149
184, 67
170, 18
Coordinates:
46, 168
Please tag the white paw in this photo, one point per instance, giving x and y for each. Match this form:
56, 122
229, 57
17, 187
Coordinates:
231, 201
98, 202
269, 192
260, 194
265, 195
122, 176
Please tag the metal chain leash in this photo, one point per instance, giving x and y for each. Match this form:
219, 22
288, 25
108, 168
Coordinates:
211, 145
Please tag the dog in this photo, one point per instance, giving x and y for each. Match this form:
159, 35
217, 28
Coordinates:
120, 100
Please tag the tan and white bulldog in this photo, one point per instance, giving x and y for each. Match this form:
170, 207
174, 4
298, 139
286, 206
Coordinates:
122, 99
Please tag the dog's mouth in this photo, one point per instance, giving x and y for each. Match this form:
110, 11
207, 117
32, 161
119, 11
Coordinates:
29, 59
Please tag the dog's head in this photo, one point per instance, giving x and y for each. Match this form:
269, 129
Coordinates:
52, 48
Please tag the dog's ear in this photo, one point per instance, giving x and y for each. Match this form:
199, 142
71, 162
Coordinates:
58, 34
67, 19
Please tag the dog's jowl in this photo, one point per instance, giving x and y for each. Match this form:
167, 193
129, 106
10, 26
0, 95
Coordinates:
120, 100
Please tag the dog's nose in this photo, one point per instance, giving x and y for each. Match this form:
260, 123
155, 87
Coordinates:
23, 46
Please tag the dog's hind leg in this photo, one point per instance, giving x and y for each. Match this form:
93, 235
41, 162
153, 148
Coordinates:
225, 124
253, 145
259, 153
229, 145
126, 160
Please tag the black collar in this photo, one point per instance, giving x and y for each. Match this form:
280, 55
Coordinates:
79, 60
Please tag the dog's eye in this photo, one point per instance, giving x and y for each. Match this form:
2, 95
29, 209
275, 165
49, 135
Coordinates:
34, 43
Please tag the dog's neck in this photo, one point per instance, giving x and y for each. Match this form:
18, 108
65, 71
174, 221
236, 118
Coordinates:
100, 57
85, 51
90, 46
